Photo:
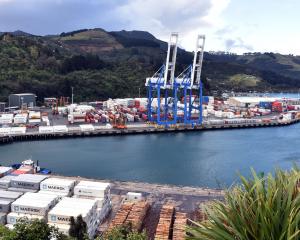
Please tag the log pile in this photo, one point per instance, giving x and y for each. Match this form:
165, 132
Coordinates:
165, 222
179, 227
137, 215
121, 215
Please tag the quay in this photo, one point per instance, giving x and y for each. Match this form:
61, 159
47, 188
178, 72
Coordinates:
185, 199
35, 135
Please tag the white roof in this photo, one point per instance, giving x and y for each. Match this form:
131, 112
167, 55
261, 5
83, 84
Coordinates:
22, 215
93, 185
73, 207
58, 181
24, 94
254, 99
30, 177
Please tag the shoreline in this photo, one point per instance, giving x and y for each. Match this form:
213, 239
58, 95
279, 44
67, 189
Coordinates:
32, 136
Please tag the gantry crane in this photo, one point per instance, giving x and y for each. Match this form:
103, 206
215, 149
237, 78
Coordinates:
190, 83
163, 83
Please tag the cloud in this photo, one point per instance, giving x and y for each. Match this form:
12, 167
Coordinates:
188, 17
237, 45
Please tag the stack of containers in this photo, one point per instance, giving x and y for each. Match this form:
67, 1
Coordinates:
5, 171
6, 119
27, 182
61, 214
21, 118
6, 198
5, 181
95, 190
31, 206
60, 186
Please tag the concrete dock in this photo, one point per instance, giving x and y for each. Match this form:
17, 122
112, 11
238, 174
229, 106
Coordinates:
185, 199
35, 135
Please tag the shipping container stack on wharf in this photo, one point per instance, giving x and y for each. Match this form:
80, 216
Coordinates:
103, 204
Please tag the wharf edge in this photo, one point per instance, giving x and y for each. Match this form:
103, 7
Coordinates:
134, 131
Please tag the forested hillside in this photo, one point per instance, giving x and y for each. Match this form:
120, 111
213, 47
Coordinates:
100, 64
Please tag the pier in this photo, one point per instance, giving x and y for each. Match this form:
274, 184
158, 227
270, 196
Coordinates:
35, 135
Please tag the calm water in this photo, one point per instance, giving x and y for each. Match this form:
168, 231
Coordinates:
210, 158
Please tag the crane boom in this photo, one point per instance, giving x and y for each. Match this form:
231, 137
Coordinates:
197, 62
170, 65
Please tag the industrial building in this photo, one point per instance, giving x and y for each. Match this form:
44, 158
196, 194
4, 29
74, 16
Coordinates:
248, 101
22, 100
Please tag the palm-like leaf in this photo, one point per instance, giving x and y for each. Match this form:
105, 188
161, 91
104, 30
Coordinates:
258, 209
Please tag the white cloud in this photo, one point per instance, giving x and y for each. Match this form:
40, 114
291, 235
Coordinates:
188, 17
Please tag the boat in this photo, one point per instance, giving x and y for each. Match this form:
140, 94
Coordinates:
30, 164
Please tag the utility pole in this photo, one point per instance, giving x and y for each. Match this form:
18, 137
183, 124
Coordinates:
72, 95
139, 92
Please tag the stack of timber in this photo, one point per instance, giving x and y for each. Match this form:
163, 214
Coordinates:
179, 226
121, 215
137, 215
163, 230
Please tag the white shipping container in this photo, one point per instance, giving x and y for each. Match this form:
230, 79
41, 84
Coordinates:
18, 130
5, 205
4, 131
34, 120
94, 189
5, 170
5, 182
62, 228
60, 129
34, 203
58, 185
13, 218
87, 128
9, 194
72, 207
45, 129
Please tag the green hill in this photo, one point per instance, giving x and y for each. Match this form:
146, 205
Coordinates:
101, 64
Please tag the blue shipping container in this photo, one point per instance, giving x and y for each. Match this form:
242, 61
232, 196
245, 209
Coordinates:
266, 105
205, 99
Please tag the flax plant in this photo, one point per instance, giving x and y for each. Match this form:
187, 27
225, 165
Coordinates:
260, 208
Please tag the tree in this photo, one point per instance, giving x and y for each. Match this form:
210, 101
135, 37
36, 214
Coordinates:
31, 230
263, 207
6, 234
78, 228
124, 232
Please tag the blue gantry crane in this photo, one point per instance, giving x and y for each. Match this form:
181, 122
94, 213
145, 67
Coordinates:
161, 89
189, 82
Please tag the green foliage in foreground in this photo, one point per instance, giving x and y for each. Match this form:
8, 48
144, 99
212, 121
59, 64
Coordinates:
31, 230
124, 232
261, 208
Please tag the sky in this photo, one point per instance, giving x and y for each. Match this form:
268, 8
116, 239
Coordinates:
229, 25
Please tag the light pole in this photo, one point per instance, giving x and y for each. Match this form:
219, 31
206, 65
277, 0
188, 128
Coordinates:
72, 95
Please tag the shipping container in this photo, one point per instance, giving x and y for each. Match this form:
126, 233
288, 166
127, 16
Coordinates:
9, 195
60, 129
45, 129
28, 181
34, 203
5, 181
5, 170
93, 189
5, 205
3, 218
12, 218
58, 185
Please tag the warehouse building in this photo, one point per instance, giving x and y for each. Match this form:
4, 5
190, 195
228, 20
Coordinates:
23, 99
248, 101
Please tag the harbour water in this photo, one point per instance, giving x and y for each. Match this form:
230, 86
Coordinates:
208, 158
